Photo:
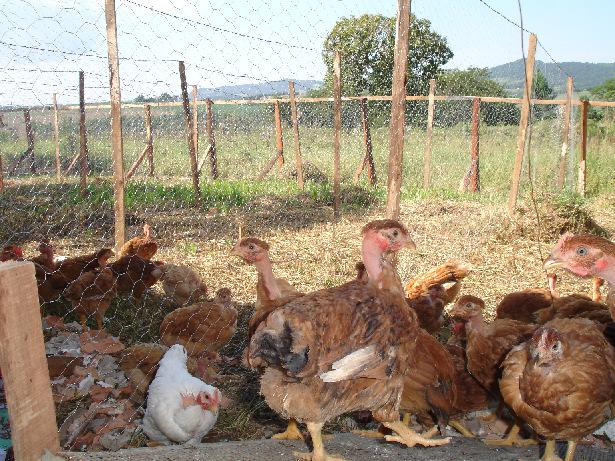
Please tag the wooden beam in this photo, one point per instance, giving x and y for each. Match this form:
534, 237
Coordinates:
337, 130
565, 134
189, 133
1, 175
149, 139
24, 365
56, 135
474, 150
136, 163
583, 154
267, 168
83, 140
203, 160
72, 163
295, 120
117, 143
30, 138
523, 123
209, 126
398, 109
368, 158
195, 121
429, 134
279, 142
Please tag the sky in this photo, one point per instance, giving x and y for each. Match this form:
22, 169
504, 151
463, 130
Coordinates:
43, 43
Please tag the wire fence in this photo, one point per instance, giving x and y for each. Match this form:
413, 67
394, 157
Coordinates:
258, 165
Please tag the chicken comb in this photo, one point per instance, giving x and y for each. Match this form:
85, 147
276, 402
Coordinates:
254, 240
379, 224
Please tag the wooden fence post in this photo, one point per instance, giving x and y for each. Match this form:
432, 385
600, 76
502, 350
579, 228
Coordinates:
1, 175
209, 125
24, 366
56, 135
195, 121
337, 131
279, 142
293, 114
583, 153
398, 108
117, 143
83, 140
523, 122
368, 158
189, 133
566, 134
149, 139
429, 134
30, 138
474, 151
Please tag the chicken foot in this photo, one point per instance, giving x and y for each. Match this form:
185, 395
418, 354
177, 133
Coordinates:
550, 455
459, 427
318, 449
292, 432
513, 438
408, 437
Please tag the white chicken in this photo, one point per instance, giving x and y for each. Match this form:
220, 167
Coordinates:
180, 407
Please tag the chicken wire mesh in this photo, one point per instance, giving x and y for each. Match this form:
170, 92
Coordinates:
238, 61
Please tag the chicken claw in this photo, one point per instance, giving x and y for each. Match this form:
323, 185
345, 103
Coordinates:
512, 439
550, 455
408, 437
318, 451
459, 427
292, 432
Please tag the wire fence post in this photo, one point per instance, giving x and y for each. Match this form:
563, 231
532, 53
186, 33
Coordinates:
30, 138
398, 108
189, 133
279, 142
195, 121
523, 123
368, 158
337, 128
56, 135
117, 143
474, 151
209, 125
83, 139
294, 117
1, 175
429, 134
583, 153
565, 133
149, 139
24, 366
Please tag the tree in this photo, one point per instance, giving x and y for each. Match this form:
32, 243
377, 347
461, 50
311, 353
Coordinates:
473, 82
542, 90
164, 97
367, 44
605, 90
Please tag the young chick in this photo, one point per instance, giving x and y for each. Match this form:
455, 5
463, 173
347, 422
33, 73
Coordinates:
561, 382
180, 407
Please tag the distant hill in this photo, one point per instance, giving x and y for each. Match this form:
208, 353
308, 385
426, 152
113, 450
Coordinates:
586, 75
257, 90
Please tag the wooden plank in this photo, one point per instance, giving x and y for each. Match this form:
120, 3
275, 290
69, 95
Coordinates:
267, 168
203, 160
279, 142
30, 138
23, 363
295, 120
337, 130
583, 153
149, 139
523, 123
474, 149
136, 163
73, 162
195, 121
368, 158
398, 109
83, 140
209, 126
56, 135
117, 144
189, 133
565, 133
429, 135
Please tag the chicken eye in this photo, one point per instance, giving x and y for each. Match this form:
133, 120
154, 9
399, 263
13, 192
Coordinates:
582, 251
251, 246
395, 233
555, 347
469, 305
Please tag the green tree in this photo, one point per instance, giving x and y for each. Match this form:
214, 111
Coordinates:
367, 44
605, 90
542, 90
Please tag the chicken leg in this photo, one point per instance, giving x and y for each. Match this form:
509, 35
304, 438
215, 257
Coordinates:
83, 319
550, 455
572, 446
318, 449
408, 437
459, 427
292, 432
99, 321
513, 438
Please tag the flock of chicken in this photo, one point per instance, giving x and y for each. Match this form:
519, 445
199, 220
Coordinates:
368, 345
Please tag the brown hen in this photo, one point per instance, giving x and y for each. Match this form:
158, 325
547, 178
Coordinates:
561, 382
72, 268
135, 275
143, 246
91, 294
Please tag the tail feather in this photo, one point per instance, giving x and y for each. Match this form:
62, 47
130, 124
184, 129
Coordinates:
451, 271
274, 348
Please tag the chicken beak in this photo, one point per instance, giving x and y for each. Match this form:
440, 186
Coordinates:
235, 251
410, 244
552, 262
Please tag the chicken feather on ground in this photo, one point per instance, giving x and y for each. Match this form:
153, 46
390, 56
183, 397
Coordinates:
343, 349
202, 327
486, 347
143, 246
561, 382
182, 284
271, 294
180, 407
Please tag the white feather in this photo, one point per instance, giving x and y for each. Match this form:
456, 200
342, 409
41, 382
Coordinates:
349, 365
